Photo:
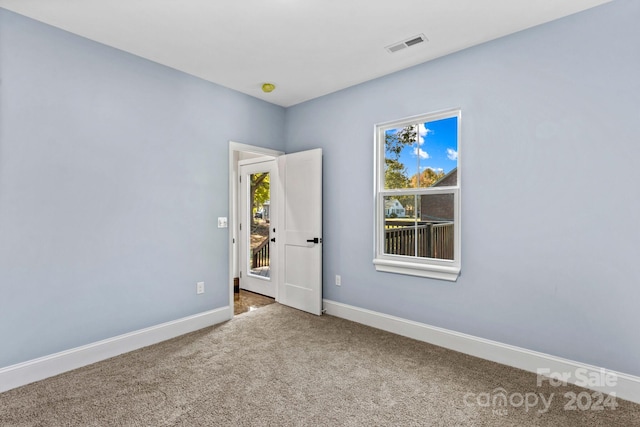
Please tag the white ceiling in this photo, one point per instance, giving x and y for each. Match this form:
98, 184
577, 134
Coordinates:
308, 48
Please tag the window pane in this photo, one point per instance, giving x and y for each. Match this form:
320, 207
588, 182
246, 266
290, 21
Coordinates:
422, 155
439, 141
260, 195
435, 230
420, 226
400, 225
398, 160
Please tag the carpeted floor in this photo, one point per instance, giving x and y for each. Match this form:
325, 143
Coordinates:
277, 366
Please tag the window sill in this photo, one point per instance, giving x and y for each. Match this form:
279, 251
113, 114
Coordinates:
431, 271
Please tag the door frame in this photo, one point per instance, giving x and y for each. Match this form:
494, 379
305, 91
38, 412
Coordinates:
235, 150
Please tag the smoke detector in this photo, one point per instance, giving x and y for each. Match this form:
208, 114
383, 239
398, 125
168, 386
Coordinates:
411, 41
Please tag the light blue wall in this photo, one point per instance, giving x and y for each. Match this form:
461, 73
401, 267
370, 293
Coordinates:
113, 171
550, 199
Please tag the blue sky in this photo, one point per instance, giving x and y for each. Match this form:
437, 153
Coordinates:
436, 148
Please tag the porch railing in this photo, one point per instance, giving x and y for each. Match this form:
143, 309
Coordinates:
442, 241
430, 240
260, 255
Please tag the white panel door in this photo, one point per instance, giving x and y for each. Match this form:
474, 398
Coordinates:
300, 234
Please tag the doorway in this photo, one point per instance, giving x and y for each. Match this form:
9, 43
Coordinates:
295, 224
242, 299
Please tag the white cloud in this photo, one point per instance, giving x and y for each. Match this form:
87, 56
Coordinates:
452, 154
420, 153
422, 133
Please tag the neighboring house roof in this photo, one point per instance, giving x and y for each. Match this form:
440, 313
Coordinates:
450, 178
393, 203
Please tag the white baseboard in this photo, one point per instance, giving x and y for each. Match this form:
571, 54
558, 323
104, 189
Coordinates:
43, 367
603, 380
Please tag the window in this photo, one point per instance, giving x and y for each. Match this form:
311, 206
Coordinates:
417, 190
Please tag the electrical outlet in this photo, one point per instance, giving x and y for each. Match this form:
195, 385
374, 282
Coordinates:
338, 280
200, 288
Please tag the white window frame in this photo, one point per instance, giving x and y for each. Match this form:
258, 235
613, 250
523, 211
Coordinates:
412, 265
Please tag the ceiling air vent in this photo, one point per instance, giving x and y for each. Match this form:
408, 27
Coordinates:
407, 43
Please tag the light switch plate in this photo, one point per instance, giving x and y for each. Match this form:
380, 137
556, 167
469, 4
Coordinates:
222, 222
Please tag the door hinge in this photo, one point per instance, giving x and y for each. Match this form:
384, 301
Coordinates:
240, 226
241, 274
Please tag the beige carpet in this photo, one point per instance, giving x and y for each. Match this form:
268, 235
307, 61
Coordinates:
276, 366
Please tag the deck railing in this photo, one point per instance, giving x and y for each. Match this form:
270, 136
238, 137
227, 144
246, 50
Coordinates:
430, 240
442, 241
260, 255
